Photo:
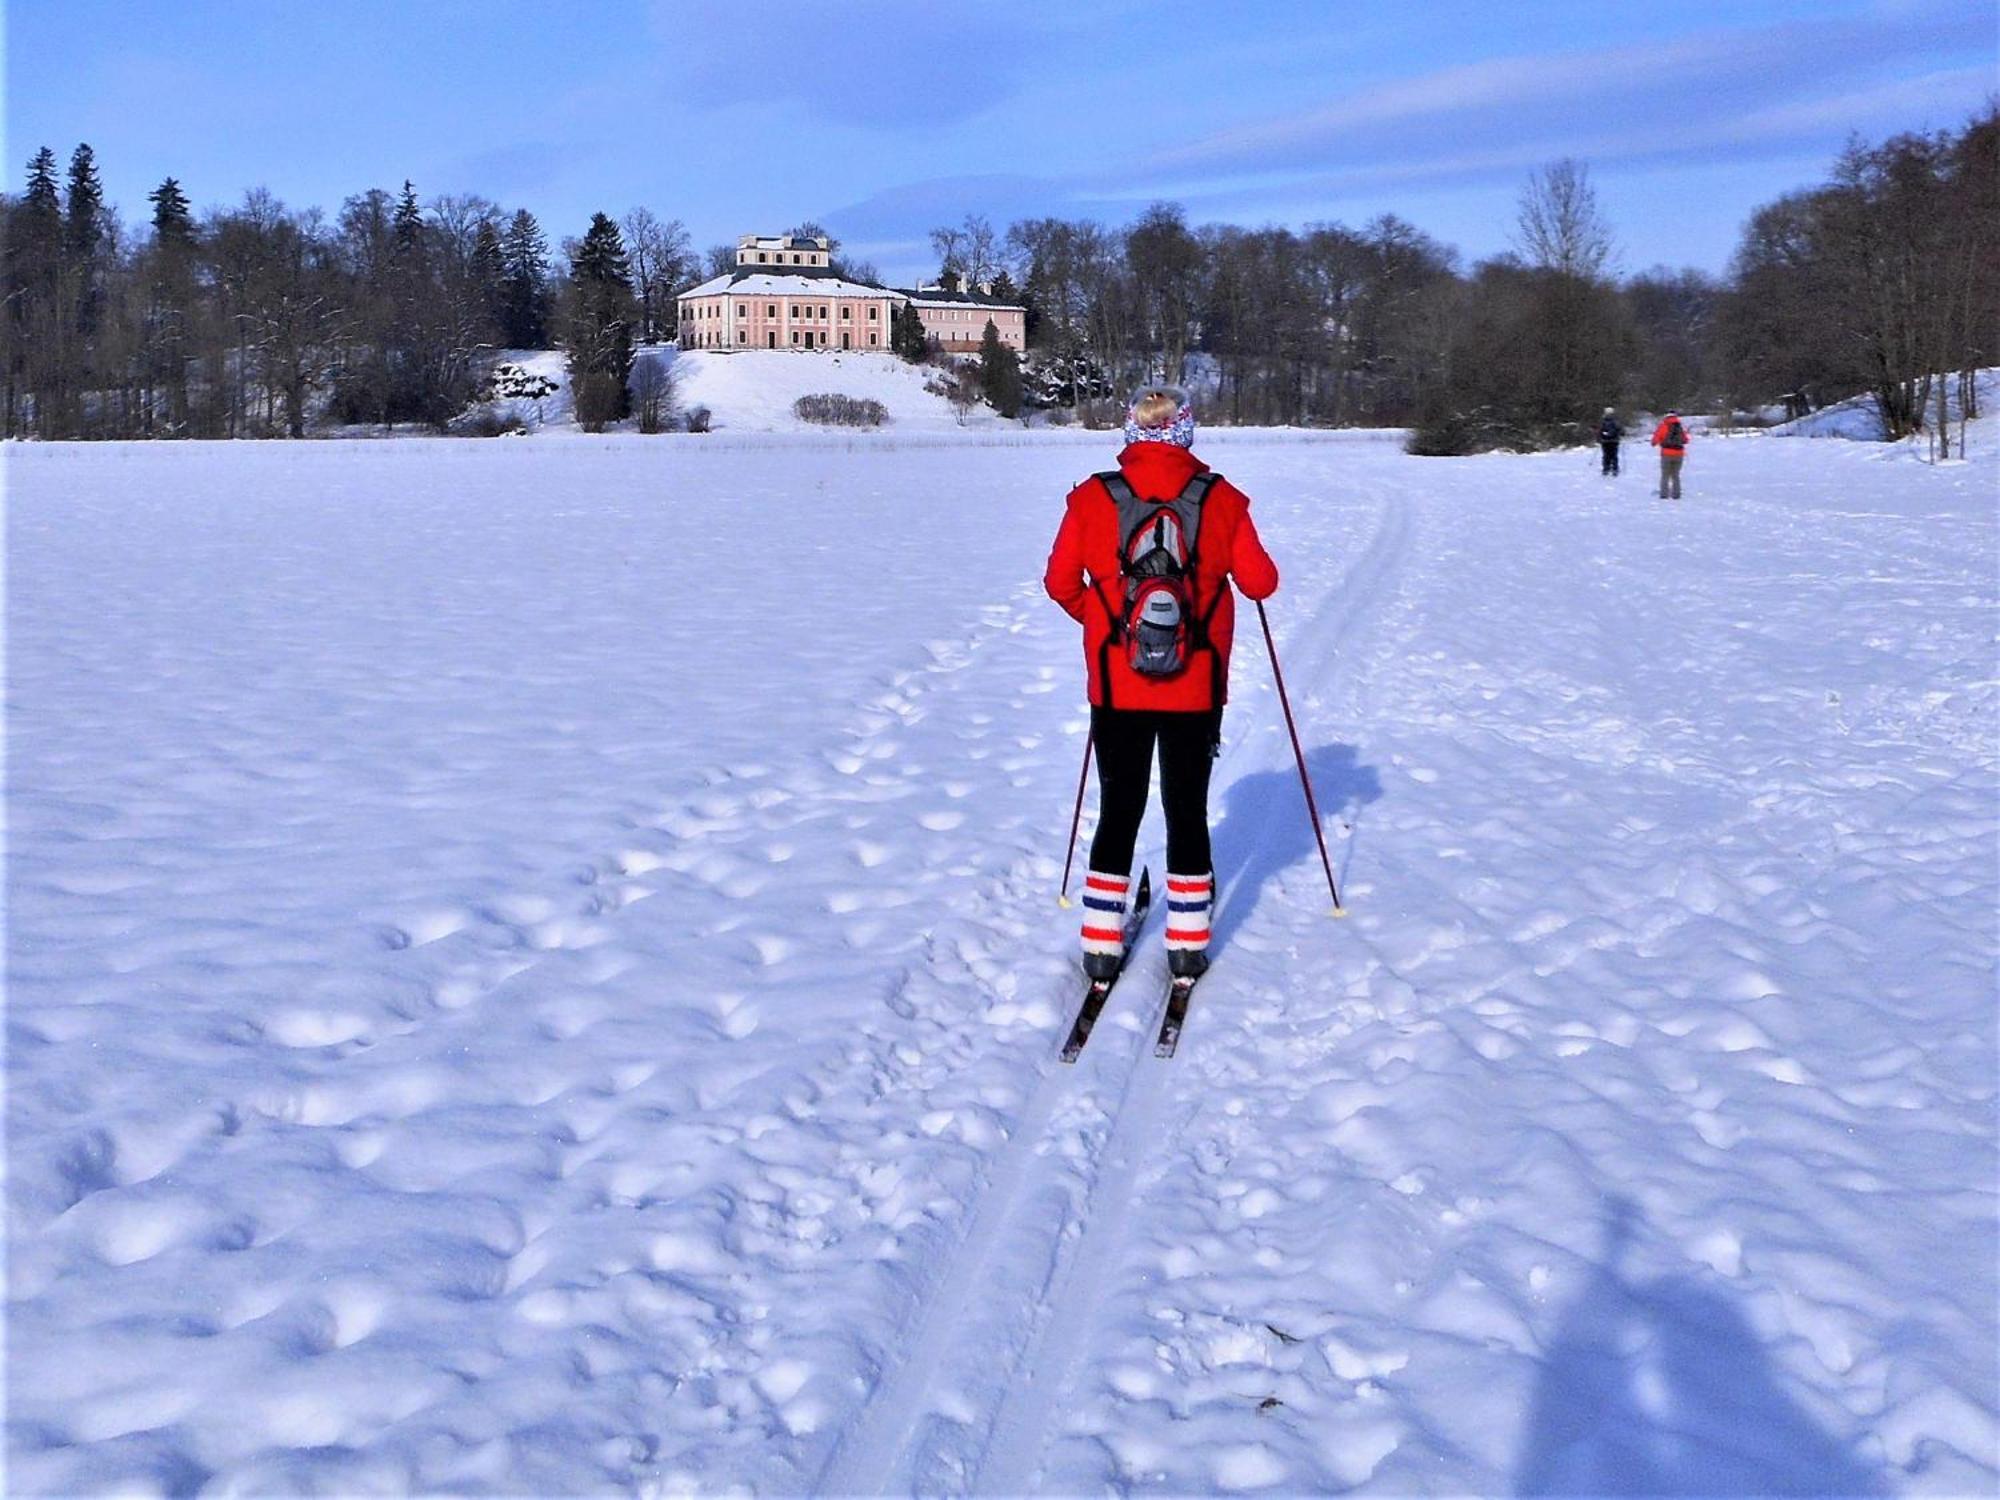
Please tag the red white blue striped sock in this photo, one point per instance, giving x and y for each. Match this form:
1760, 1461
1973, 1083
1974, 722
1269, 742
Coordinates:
1104, 901
1190, 899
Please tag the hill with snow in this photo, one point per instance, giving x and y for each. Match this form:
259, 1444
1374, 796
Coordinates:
1859, 419
752, 391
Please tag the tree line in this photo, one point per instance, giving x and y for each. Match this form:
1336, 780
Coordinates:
261, 319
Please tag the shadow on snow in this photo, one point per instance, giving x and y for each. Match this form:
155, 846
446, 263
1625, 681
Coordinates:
1265, 829
1662, 1387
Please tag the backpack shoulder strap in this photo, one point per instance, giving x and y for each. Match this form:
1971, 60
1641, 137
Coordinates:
1121, 490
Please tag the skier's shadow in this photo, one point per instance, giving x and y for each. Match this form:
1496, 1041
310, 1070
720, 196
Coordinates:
1265, 829
1661, 1387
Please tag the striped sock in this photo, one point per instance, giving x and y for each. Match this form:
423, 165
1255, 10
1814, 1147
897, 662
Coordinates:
1189, 900
1104, 898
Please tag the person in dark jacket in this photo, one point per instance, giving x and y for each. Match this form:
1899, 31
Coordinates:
1609, 433
1133, 710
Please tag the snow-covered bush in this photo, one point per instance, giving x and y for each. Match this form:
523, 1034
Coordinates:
830, 409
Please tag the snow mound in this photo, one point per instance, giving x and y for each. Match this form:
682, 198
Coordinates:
1858, 420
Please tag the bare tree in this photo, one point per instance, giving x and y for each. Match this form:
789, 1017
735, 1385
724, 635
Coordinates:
1560, 227
949, 245
662, 261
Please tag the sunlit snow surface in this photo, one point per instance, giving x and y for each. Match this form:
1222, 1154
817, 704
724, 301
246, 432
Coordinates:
535, 968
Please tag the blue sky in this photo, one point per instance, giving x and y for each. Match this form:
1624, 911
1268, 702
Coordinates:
882, 118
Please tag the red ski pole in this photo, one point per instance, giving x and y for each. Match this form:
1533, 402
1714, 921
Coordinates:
1312, 806
1075, 822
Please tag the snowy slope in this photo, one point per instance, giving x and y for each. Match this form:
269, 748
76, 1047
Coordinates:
753, 391
1858, 417
518, 985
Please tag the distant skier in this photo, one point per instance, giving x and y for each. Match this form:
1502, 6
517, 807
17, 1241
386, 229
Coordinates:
1143, 561
1671, 438
1609, 435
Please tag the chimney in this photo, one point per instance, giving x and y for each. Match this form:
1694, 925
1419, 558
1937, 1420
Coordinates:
985, 288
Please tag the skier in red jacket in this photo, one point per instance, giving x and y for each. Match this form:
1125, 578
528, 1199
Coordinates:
1156, 637
1671, 438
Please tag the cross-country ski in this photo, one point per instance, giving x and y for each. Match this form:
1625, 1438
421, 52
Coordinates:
1097, 988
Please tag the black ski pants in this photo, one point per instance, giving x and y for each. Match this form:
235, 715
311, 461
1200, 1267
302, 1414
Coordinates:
1610, 456
1124, 740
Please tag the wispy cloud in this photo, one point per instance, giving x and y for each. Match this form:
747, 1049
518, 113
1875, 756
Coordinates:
1720, 86
876, 64
1719, 96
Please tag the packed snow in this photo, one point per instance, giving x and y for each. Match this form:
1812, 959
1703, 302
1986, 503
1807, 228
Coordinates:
535, 967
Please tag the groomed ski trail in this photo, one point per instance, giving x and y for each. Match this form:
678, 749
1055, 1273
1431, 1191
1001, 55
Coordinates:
948, 1417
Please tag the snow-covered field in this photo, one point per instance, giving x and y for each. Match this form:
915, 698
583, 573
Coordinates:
535, 968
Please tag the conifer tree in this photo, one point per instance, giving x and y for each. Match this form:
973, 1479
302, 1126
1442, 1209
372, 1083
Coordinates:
83, 225
408, 223
906, 334
409, 396
600, 325
82, 284
999, 372
34, 269
524, 291
170, 305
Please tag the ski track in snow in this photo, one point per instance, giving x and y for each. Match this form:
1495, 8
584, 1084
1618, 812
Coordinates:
513, 989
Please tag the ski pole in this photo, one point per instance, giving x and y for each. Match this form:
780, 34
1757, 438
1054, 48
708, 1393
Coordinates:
1075, 822
1312, 807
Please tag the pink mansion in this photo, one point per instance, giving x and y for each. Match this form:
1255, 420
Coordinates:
783, 294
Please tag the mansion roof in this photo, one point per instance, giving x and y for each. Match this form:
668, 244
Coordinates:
937, 296
807, 280
819, 281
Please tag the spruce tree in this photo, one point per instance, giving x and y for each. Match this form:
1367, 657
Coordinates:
524, 290
408, 223
170, 303
173, 215
34, 274
83, 227
412, 391
999, 372
600, 325
906, 334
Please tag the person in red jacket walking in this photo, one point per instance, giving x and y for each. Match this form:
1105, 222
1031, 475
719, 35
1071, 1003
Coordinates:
1671, 438
1144, 560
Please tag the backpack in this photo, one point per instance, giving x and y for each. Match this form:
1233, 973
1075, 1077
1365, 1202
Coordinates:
1156, 561
1676, 436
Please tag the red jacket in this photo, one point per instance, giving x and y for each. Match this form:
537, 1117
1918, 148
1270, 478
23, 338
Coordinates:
1083, 578
1659, 438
